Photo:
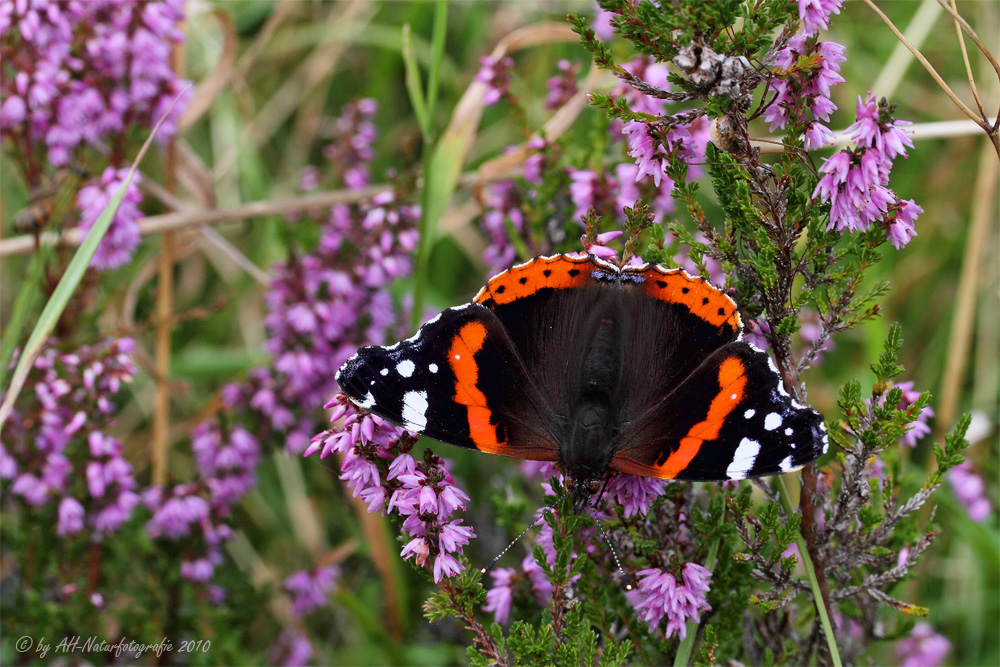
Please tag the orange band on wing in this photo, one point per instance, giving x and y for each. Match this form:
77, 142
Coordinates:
557, 272
462, 358
702, 298
733, 381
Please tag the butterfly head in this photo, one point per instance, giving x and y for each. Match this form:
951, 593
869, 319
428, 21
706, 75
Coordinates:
583, 491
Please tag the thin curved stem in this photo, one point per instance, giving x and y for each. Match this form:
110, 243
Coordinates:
824, 617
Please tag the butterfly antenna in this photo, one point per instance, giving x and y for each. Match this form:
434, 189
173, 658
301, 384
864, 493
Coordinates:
518, 538
628, 581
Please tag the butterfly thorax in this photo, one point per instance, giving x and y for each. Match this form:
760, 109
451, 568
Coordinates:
585, 455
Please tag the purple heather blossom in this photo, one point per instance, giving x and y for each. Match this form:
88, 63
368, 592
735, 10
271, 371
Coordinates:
970, 491
56, 434
586, 189
500, 597
659, 594
923, 648
71, 515
312, 307
226, 460
310, 590
598, 247
901, 230
534, 164
918, 428
805, 89
855, 180
563, 86
496, 75
174, 518
123, 235
815, 14
634, 493
351, 151
198, 569
377, 466
505, 586
292, 649
603, 28
503, 201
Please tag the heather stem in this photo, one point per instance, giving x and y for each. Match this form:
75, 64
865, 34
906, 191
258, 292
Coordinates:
818, 598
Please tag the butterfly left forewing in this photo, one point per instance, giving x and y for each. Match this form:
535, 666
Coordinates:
729, 419
458, 380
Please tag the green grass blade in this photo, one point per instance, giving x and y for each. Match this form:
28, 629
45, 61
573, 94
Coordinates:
437, 52
71, 279
824, 618
414, 86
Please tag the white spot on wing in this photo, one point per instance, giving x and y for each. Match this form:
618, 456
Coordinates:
786, 464
733, 397
433, 368
415, 411
405, 368
743, 459
772, 421
789, 431
458, 356
368, 402
384, 372
749, 413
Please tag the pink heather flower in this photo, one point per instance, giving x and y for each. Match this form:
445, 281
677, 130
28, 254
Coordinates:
802, 90
351, 151
500, 597
634, 493
659, 594
561, 87
312, 305
583, 190
8, 466
923, 648
649, 155
815, 14
423, 492
503, 214
540, 584
85, 69
901, 230
970, 491
603, 28
446, 565
199, 569
174, 518
310, 590
71, 516
879, 140
496, 75
418, 547
123, 235
292, 649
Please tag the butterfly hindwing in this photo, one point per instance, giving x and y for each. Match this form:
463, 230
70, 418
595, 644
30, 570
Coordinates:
730, 419
441, 381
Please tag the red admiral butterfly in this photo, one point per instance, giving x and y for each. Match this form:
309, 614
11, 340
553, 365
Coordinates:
639, 370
